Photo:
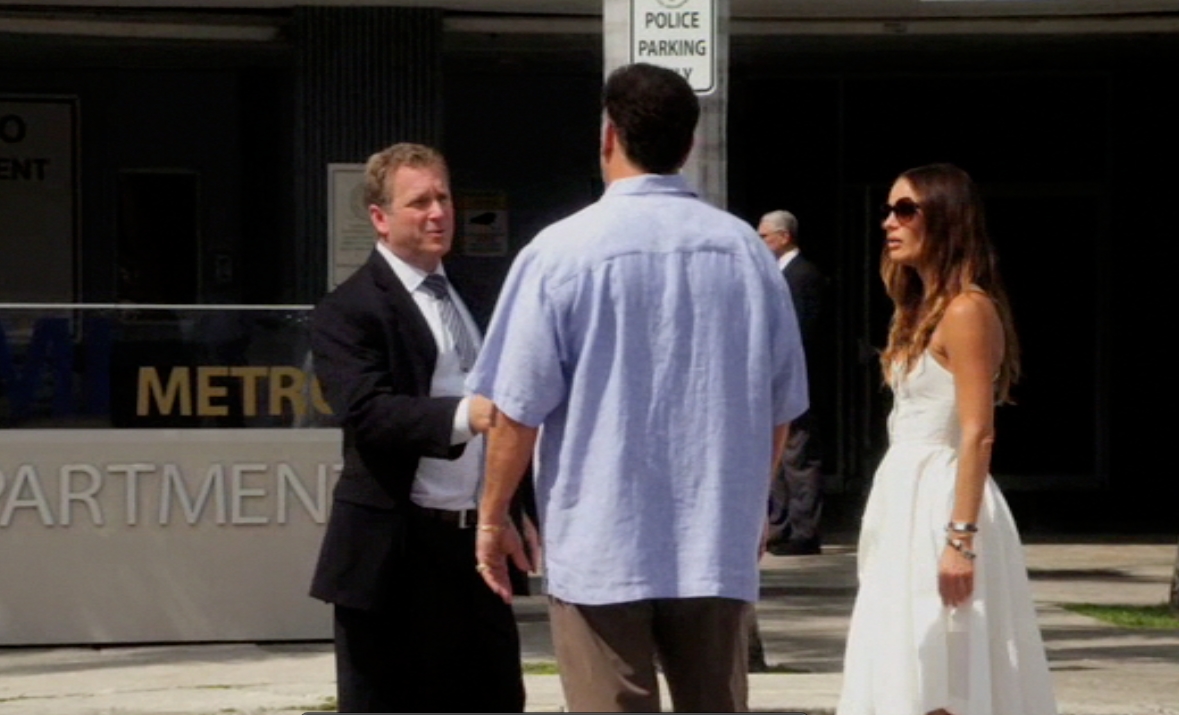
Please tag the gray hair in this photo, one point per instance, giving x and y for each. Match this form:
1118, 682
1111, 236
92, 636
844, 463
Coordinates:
782, 221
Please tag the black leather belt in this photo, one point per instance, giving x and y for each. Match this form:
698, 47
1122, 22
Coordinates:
461, 519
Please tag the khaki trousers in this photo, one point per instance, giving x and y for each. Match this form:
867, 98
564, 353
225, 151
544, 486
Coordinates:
607, 654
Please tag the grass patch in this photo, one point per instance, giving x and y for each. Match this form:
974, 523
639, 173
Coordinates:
1157, 617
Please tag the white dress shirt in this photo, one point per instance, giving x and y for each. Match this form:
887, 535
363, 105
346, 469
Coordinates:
444, 483
785, 259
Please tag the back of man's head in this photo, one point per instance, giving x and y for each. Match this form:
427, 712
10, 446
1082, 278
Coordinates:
654, 111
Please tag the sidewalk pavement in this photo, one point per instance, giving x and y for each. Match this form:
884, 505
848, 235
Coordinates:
803, 615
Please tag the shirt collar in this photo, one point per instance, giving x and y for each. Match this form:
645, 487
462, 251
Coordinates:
410, 276
785, 259
650, 184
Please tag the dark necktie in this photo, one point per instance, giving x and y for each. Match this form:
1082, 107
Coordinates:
464, 344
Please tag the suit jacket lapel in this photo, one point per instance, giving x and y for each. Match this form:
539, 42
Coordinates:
407, 319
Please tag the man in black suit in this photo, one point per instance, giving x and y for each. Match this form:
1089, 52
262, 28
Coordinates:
796, 497
416, 627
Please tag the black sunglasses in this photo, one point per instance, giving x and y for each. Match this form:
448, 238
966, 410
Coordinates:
905, 209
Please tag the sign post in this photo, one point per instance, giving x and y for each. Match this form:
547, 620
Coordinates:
679, 35
692, 38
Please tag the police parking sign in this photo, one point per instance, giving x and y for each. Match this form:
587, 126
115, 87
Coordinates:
679, 35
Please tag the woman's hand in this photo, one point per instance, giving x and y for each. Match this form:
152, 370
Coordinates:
955, 577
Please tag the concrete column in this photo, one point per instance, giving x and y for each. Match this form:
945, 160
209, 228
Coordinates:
707, 167
366, 77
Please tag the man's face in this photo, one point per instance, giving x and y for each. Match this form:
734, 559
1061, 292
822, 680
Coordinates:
777, 239
417, 225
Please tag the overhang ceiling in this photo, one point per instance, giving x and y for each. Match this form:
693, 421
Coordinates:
744, 9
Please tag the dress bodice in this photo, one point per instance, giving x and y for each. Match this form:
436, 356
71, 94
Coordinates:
925, 408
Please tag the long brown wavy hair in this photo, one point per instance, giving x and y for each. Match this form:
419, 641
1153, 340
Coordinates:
957, 254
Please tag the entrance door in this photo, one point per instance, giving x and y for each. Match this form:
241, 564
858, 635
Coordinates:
158, 250
866, 311
1047, 237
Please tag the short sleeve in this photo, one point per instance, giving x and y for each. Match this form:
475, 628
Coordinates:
520, 366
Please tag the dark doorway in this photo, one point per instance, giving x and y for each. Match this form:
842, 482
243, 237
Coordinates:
1046, 238
1050, 256
158, 247
827, 144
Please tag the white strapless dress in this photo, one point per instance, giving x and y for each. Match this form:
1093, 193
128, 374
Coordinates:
907, 654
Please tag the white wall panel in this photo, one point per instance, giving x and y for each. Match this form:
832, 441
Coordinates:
117, 536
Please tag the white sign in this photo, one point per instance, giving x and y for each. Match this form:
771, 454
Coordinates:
483, 222
38, 196
162, 535
350, 232
679, 35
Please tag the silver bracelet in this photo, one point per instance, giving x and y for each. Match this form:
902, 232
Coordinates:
960, 546
962, 527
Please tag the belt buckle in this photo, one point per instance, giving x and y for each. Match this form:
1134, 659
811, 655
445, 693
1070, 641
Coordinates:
466, 518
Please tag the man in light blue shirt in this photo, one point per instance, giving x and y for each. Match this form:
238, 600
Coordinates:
649, 342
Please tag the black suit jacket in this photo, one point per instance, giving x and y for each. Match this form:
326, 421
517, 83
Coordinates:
808, 288
374, 355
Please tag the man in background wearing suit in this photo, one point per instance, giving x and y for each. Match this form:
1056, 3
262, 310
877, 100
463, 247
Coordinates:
416, 627
796, 497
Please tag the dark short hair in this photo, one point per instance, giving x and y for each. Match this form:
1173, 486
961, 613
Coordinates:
655, 112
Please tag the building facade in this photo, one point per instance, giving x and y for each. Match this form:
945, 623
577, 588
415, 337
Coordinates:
196, 144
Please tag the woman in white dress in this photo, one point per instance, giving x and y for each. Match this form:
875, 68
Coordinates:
944, 622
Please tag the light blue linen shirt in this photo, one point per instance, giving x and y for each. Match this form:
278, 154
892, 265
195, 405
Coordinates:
653, 340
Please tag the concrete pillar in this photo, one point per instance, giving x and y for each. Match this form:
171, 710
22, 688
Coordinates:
366, 77
707, 167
